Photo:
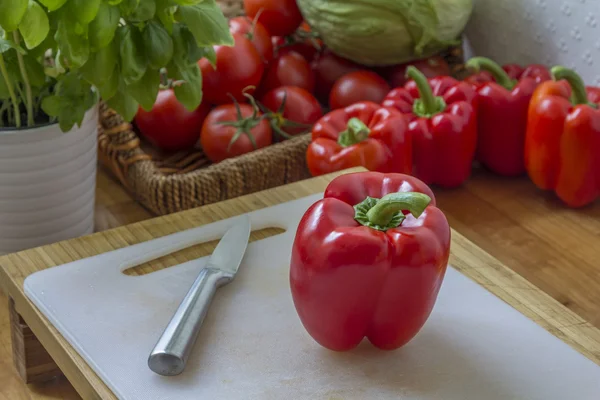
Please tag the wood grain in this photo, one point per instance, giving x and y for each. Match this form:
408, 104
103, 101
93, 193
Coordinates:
510, 219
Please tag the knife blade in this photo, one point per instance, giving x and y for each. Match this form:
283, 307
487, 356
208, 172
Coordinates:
172, 350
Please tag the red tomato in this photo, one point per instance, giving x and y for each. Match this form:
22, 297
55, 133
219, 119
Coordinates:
328, 69
300, 107
256, 33
358, 86
169, 125
288, 69
430, 67
238, 67
302, 42
280, 17
221, 141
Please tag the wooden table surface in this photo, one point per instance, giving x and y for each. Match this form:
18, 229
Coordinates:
553, 247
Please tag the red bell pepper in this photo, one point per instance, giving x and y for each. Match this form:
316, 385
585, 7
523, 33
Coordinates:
368, 260
562, 143
537, 72
443, 126
502, 113
363, 134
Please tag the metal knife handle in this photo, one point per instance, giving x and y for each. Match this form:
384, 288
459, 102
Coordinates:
171, 352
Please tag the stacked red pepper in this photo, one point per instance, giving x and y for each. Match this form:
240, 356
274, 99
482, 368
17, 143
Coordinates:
513, 120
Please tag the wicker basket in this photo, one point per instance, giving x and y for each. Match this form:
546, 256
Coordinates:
167, 184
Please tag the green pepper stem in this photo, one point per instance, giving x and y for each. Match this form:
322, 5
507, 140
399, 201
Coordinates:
500, 76
427, 105
355, 132
387, 212
577, 85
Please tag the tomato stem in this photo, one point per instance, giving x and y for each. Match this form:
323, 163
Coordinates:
427, 105
579, 95
387, 212
500, 76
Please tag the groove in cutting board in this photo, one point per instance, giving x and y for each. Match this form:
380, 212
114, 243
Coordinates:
200, 250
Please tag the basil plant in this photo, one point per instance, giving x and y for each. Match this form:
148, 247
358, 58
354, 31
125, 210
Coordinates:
58, 56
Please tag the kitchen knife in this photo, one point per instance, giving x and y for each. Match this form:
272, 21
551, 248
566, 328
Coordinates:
171, 352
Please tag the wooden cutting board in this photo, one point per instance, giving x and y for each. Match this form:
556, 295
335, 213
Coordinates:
466, 258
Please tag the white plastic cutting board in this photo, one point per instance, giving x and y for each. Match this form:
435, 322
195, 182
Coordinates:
253, 346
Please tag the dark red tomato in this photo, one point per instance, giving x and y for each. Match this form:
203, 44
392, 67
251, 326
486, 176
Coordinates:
169, 125
256, 33
238, 67
302, 42
358, 86
430, 67
300, 108
280, 17
328, 69
288, 69
225, 141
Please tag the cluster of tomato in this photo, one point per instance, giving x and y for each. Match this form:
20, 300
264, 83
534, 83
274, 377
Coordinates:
273, 83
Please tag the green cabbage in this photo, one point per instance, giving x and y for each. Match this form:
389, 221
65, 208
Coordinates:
386, 32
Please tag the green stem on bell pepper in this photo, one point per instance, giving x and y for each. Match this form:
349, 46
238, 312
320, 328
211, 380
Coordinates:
386, 213
427, 105
355, 132
579, 95
500, 76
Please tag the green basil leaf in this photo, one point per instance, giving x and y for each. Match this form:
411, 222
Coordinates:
159, 45
123, 103
73, 47
53, 5
52, 105
110, 86
6, 45
190, 92
47, 43
101, 64
84, 11
144, 11
145, 90
207, 23
11, 13
102, 29
35, 71
211, 56
133, 58
186, 50
34, 26
164, 12
187, 2
128, 6
114, 2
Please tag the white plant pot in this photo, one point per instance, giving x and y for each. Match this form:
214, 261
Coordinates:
47, 184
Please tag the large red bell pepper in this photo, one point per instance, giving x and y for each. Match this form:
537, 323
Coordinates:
502, 106
562, 144
363, 134
368, 260
443, 126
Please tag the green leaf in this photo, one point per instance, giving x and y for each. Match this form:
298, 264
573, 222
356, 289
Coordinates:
102, 29
34, 26
207, 23
133, 59
164, 12
186, 51
211, 56
145, 90
6, 45
124, 104
422, 23
73, 47
52, 105
128, 6
159, 45
189, 93
4, 93
11, 13
35, 71
84, 11
53, 5
110, 86
101, 64
187, 2
144, 11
